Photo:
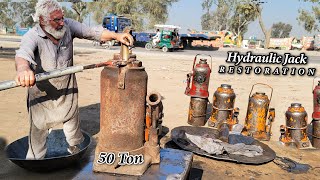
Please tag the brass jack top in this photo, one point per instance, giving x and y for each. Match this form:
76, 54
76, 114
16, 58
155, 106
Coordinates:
124, 52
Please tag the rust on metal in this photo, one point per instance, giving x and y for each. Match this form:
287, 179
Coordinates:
257, 113
123, 110
154, 114
197, 111
123, 115
223, 107
295, 131
200, 78
271, 117
316, 133
255, 122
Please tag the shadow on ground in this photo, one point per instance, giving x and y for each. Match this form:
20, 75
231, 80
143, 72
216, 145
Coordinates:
203, 48
90, 118
7, 52
83, 53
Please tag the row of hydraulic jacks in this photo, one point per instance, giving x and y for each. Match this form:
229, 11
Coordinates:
259, 117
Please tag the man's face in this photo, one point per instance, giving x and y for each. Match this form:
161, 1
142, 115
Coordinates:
55, 24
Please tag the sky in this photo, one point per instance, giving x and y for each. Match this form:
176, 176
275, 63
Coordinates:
187, 14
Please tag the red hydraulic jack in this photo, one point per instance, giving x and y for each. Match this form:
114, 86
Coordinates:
199, 93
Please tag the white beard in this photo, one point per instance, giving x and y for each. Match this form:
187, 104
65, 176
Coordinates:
57, 34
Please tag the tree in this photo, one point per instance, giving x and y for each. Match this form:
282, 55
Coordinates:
79, 10
243, 16
233, 15
205, 18
220, 18
310, 20
23, 11
144, 14
69, 13
6, 14
280, 30
256, 5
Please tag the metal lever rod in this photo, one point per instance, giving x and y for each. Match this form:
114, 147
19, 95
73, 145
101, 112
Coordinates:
53, 74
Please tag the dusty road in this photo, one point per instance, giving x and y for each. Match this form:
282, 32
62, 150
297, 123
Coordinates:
167, 74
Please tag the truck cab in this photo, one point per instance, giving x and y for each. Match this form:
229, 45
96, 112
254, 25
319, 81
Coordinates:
113, 23
116, 23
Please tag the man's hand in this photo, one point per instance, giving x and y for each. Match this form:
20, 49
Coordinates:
25, 76
125, 38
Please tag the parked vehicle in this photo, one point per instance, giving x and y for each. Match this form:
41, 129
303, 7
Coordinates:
114, 23
308, 43
296, 44
285, 43
317, 42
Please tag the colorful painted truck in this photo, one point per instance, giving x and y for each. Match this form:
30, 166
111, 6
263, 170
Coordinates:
308, 43
317, 42
280, 43
215, 39
285, 43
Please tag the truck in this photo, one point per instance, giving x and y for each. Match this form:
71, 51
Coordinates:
317, 42
308, 43
285, 43
115, 23
211, 39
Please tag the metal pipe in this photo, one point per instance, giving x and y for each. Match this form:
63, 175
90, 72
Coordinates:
43, 76
197, 111
154, 100
271, 118
54, 74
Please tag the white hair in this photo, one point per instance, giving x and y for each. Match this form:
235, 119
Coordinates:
44, 8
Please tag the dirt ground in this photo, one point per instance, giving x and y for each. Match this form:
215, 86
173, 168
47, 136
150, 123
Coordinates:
167, 75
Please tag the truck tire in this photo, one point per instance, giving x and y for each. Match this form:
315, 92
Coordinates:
148, 46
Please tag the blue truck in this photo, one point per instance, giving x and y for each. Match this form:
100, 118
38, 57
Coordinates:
113, 23
116, 23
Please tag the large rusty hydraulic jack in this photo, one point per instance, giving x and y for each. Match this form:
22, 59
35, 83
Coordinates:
295, 131
258, 113
122, 119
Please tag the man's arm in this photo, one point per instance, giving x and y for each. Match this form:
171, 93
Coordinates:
24, 57
25, 76
81, 30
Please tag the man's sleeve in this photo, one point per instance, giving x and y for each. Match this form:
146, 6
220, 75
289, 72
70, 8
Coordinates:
27, 48
80, 30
